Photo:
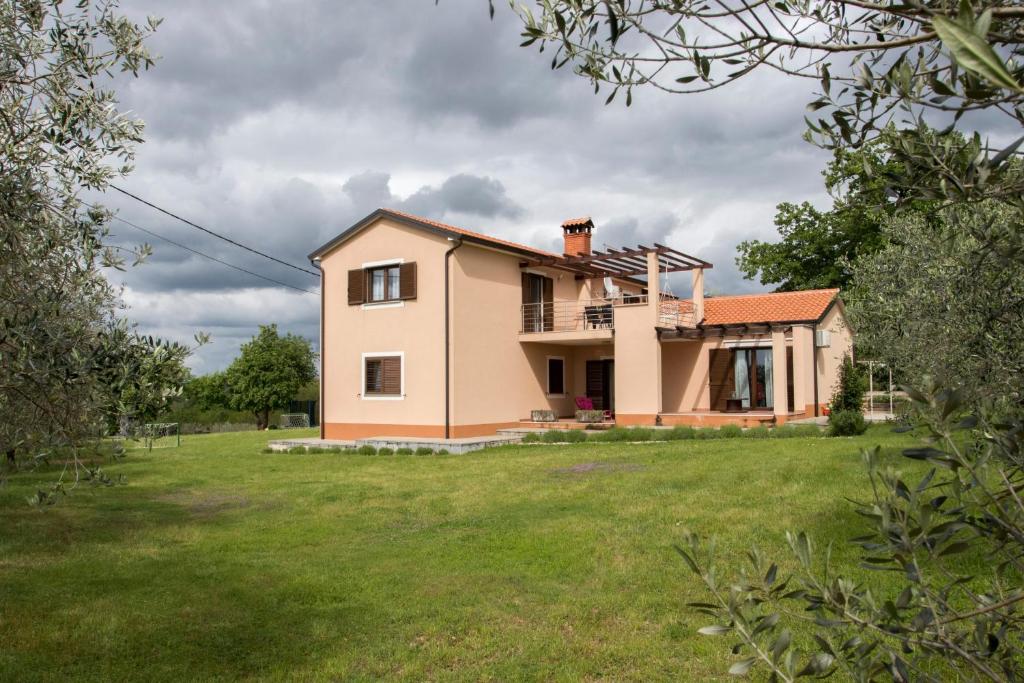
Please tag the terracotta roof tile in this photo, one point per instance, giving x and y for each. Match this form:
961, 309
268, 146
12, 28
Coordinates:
470, 233
807, 305
583, 220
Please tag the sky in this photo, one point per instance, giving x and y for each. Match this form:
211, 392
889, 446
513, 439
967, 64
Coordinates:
281, 123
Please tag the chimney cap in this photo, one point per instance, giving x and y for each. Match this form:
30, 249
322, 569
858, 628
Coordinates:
583, 222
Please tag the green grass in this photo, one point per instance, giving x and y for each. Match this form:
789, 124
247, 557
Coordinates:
218, 561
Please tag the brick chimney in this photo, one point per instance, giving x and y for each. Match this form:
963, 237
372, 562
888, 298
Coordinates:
577, 233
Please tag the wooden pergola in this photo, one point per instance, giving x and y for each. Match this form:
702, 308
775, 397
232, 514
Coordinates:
727, 330
624, 262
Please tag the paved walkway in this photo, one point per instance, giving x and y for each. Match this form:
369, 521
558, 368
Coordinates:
463, 445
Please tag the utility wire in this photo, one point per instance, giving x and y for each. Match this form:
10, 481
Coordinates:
206, 256
211, 232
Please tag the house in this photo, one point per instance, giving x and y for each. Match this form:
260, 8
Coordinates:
433, 331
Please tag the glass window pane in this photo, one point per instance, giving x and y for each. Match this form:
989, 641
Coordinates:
393, 276
556, 376
374, 377
377, 283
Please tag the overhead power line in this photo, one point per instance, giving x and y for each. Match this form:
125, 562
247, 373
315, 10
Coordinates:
211, 232
207, 256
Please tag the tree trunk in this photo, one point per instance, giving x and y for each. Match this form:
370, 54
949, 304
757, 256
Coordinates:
262, 418
10, 456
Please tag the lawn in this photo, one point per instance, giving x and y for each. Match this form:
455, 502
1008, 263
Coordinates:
217, 561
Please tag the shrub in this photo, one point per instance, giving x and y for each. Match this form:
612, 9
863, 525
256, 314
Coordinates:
563, 436
850, 389
760, 432
795, 431
268, 449
730, 431
680, 433
424, 450
531, 437
385, 451
846, 423
404, 451
366, 450
334, 449
442, 451
297, 449
624, 434
314, 449
272, 426
707, 433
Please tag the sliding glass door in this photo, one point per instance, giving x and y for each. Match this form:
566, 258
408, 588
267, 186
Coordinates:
753, 372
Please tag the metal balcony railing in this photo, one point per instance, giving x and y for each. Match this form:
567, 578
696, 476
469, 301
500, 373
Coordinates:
675, 313
573, 316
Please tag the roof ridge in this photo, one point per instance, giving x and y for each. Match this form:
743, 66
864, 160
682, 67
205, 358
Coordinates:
469, 233
834, 290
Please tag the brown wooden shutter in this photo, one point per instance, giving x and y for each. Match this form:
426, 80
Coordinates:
356, 287
392, 370
721, 377
407, 281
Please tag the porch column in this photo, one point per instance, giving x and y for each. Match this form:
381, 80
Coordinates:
779, 375
698, 295
803, 382
653, 287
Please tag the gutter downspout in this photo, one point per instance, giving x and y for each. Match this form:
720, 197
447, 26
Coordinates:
447, 340
320, 408
814, 363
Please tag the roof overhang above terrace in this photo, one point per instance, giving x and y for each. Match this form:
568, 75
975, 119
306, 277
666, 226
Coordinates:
623, 263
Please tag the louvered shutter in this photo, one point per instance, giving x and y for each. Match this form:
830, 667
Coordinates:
407, 281
356, 287
721, 377
392, 376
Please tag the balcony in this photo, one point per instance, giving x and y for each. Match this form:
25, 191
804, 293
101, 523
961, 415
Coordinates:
586, 320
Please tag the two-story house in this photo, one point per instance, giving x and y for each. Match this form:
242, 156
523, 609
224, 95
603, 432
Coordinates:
429, 330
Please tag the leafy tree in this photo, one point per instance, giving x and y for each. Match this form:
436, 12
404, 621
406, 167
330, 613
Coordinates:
940, 300
61, 132
268, 372
208, 392
140, 377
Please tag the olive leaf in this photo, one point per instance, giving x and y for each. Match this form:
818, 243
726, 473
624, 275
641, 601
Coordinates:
973, 53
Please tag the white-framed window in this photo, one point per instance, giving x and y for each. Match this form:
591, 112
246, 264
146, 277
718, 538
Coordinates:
383, 376
556, 376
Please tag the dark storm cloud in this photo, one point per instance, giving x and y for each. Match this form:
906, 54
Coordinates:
280, 124
286, 221
465, 194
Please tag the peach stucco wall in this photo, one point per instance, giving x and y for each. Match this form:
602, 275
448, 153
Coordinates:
495, 377
831, 357
414, 328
